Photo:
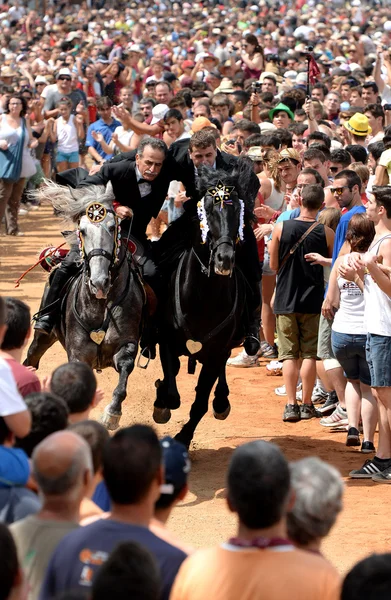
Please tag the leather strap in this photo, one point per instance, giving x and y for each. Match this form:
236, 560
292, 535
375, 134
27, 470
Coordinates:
295, 246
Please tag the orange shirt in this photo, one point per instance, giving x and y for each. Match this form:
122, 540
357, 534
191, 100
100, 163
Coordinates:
231, 573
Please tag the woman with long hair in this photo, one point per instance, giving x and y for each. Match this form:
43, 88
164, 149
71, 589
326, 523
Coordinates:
252, 60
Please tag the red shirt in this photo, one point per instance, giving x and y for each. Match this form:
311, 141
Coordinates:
261, 242
26, 381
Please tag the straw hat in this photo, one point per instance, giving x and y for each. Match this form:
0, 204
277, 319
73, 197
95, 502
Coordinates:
358, 124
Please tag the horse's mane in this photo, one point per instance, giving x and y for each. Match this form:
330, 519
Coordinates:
242, 178
70, 203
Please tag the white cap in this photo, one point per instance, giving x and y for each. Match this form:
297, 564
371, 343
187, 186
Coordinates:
64, 71
40, 79
387, 26
301, 78
159, 112
290, 75
134, 48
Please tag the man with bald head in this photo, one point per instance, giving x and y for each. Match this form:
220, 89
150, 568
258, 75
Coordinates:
62, 468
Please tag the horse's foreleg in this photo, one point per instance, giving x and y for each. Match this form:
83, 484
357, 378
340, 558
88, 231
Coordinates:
221, 405
124, 364
199, 408
41, 342
167, 395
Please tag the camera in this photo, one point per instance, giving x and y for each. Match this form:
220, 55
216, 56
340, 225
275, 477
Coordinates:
387, 107
256, 87
274, 58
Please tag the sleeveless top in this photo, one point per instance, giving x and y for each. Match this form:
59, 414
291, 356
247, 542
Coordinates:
300, 287
12, 137
377, 303
276, 199
349, 317
67, 140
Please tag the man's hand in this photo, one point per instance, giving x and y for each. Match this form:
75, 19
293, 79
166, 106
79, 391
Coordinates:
124, 212
262, 230
328, 310
98, 137
180, 198
94, 169
264, 212
315, 259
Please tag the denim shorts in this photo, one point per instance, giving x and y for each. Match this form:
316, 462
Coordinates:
349, 350
71, 157
378, 350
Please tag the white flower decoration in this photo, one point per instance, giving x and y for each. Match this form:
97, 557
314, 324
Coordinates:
203, 220
241, 220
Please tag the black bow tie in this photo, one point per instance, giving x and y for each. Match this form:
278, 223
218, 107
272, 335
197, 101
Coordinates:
143, 181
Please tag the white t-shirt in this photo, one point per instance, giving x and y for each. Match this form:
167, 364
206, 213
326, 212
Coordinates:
11, 402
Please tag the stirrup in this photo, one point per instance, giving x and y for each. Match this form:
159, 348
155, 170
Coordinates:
142, 357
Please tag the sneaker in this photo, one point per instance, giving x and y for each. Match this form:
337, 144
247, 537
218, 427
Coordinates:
281, 391
353, 437
319, 396
330, 404
383, 477
269, 351
307, 411
23, 211
291, 413
336, 419
243, 360
367, 448
371, 467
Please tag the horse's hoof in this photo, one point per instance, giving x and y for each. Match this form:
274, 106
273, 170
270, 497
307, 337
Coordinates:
180, 437
109, 420
158, 383
222, 416
161, 415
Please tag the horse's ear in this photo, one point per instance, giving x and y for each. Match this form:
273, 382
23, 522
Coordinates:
248, 182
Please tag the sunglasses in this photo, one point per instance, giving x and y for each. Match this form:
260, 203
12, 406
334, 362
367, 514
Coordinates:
64, 78
339, 191
334, 169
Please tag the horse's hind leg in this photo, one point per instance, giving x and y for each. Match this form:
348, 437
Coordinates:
167, 395
221, 404
41, 342
124, 364
206, 380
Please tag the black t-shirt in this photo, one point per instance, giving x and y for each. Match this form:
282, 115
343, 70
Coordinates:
300, 285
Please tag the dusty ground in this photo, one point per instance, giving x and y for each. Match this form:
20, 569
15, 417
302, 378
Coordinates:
203, 519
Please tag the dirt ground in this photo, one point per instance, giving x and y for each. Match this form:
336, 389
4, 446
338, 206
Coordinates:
203, 519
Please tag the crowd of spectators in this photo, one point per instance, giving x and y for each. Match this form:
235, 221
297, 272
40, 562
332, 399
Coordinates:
80, 84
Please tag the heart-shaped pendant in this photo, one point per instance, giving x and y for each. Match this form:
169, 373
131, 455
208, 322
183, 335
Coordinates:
98, 336
193, 346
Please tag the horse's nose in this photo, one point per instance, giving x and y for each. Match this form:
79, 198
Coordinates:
224, 262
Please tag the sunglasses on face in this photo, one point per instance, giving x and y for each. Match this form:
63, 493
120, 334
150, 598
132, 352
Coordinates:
339, 191
334, 169
64, 78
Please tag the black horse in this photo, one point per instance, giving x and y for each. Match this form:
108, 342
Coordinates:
203, 314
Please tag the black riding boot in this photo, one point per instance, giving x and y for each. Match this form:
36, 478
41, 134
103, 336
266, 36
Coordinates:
48, 313
248, 262
252, 342
149, 337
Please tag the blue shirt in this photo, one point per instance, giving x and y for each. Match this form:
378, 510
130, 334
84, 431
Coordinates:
79, 555
101, 497
340, 233
106, 130
14, 467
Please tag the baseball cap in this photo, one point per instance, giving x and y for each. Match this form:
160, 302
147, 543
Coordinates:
134, 48
64, 71
159, 112
289, 154
176, 465
188, 64
201, 122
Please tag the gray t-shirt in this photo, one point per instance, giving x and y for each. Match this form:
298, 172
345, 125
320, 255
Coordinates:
36, 539
54, 97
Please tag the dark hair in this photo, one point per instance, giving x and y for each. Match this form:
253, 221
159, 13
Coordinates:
49, 413
155, 143
173, 113
18, 323
9, 562
4, 431
369, 579
75, 383
148, 100
310, 171
312, 196
314, 153
371, 85
269, 139
253, 140
241, 96
253, 40
177, 102
246, 125
297, 128
360, 233
358, 152
96, 437
17, 97
266, 97
131, 462
284, 136
321, 86
258, 484
351, 177
322, 148
103, 102
376, 111
376, 149
129, 572
3, 311
383, 197
220, 100
319, 136
202, 139
341, 157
